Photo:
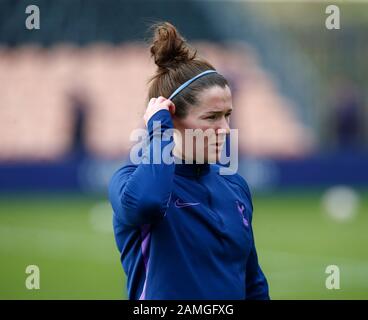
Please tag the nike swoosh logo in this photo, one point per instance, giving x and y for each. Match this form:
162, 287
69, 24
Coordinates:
180, 204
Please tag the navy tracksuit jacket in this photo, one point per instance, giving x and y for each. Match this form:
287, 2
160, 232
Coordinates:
184, 231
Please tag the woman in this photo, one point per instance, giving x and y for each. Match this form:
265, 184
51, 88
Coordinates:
184, 230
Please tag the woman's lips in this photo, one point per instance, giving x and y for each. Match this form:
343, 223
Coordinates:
217, 145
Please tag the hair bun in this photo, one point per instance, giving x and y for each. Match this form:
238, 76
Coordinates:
169, 48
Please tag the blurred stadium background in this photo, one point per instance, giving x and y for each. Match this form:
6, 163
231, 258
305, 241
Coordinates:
72, 91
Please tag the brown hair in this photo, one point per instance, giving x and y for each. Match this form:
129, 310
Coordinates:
177, 62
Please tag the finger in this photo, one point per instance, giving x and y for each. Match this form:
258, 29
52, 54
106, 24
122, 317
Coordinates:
152, 101
161, 99
168, 104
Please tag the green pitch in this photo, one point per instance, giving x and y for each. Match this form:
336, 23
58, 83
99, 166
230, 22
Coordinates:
70, 239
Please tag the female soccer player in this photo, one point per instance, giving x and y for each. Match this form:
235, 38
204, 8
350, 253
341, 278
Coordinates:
184, 230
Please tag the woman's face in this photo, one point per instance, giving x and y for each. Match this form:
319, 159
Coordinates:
211, 116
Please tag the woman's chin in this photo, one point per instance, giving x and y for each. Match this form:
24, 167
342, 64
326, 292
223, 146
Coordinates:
214, 156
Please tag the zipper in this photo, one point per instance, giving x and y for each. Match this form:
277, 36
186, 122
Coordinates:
211, 212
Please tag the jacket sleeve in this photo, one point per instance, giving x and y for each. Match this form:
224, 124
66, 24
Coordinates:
140, 194
255, 281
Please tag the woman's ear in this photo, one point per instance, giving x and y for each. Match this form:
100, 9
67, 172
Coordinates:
172, 109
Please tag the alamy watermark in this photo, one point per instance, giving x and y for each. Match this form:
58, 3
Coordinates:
200, 146
333, 279
33, 279
333, 20
33, 19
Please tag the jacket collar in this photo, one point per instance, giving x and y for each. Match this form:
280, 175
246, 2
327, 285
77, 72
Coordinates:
190, 170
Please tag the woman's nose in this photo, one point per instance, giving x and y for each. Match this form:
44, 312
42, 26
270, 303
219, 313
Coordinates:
224, 127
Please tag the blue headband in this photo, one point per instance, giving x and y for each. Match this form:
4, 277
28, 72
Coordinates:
187, 83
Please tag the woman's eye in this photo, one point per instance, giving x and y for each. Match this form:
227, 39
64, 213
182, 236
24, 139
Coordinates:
214, 117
